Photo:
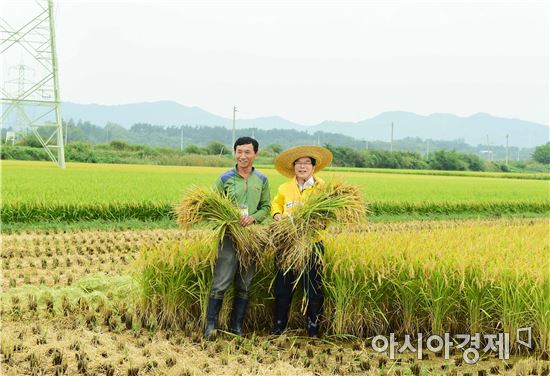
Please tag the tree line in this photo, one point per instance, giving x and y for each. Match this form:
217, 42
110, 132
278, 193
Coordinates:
181, 136
206, 145
215, 153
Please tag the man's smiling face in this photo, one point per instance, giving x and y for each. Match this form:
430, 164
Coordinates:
245, 156
303, 168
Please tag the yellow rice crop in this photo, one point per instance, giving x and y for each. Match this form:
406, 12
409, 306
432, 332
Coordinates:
335, 202
463, 277
216, 211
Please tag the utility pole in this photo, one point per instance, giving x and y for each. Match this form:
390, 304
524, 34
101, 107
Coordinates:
391, 138
427, 149
233, 143
507, 137
489, 151
181, 138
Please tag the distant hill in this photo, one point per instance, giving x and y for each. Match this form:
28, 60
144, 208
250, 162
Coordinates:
165, 113
473, 129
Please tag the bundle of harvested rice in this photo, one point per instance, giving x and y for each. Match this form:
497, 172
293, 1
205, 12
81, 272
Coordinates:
293, 237
216, 211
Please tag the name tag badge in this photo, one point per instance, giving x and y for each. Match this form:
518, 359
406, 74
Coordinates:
292, 204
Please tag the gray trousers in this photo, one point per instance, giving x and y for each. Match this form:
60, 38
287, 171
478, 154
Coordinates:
228, 269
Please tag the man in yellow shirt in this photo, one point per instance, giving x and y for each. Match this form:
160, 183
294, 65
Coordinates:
299, 164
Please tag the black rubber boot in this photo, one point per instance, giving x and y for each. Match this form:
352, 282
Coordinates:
214, 306
237, 315
282, 306
313, 314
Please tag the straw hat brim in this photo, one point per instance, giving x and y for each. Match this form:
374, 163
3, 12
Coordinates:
284, 163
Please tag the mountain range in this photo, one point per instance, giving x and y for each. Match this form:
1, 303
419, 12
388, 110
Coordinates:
474, 129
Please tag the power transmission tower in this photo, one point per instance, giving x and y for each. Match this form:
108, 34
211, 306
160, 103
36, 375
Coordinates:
30, 33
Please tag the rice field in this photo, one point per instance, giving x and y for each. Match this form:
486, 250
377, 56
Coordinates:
132, 302
38, 192
504, 175
76, 301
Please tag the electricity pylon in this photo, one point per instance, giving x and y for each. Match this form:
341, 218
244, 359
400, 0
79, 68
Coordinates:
30, 35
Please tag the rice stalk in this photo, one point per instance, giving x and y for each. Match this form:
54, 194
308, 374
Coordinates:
216, 212
294, 236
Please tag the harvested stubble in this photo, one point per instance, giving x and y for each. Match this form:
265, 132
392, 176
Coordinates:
293, 237
478, 277
74, 253
216, 212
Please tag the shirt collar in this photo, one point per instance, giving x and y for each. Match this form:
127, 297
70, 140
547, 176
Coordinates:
237, 171
308, 183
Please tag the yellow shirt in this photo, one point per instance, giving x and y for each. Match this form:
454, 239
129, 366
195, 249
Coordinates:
289, 196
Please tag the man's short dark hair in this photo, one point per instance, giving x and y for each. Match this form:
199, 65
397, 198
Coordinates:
313, 161
246, 141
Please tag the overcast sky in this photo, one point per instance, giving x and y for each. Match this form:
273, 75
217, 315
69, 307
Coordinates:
309, 61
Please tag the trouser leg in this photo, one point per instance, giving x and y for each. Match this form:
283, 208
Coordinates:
284, 283
240, 303
225, 269
244, 281
224, 273
313, 290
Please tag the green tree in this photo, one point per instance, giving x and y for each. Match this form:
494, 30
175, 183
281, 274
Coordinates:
447, 160
216, 148
542, 153
346, 156
193, 149
275, 148
119, 145
474, 162
29, 140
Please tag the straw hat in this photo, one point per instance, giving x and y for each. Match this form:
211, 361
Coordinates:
284, 163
